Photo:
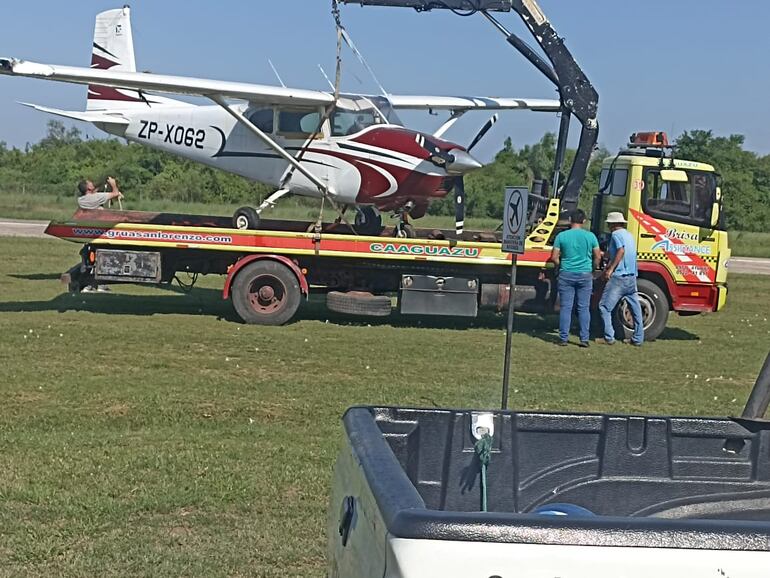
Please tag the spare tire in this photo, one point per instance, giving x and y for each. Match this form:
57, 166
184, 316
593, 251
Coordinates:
359, 303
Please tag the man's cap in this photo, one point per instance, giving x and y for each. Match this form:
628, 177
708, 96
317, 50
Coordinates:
616, 218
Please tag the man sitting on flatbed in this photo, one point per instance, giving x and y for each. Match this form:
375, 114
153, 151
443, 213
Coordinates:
90, 199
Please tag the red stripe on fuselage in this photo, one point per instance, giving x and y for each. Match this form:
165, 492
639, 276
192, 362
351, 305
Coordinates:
412, 185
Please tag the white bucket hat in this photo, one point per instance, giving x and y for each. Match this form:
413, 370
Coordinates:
616, 218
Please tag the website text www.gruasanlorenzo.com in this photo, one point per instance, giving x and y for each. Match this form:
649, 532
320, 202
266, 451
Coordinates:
152, 236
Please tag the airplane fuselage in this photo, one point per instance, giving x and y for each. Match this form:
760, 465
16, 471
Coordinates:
382, 165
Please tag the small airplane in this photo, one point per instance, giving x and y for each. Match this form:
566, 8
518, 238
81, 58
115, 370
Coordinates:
351, 150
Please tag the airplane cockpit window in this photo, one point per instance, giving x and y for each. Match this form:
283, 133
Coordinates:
262, 118
355, 113
385, 109
299, 123
345, 122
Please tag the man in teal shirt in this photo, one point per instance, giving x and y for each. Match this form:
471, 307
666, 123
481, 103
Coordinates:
576, 253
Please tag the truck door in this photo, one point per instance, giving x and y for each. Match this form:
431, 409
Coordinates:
613, 196
675, 224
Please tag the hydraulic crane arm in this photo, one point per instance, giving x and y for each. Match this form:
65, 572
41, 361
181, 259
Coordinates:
578, 96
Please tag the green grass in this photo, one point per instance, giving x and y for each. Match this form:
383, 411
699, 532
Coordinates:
750, 244
145, 433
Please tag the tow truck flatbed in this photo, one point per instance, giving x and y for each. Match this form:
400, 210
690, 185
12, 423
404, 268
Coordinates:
269, 270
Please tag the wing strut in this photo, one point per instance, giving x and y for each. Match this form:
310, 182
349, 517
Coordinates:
265, 138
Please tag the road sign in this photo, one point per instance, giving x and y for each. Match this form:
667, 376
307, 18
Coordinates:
515, 219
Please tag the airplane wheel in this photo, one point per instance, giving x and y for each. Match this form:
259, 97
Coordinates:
246, 218
368, 221
405, 231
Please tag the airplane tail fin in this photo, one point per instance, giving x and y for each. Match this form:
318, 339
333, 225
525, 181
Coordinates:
113, 49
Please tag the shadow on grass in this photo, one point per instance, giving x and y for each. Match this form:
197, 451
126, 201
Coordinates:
209, 302
198, 302
38, 277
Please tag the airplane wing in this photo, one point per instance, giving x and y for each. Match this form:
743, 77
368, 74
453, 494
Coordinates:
256, 93
467, 103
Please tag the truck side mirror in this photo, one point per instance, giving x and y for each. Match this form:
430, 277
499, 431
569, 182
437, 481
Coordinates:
717, 210
674, 176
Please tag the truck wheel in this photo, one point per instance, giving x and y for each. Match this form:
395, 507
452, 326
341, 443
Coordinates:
246, 218
368, 222
266, 293
655, 310
359, 303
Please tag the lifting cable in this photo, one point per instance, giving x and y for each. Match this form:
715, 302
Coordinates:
326, 116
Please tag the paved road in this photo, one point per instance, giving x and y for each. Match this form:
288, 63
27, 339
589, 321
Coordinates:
749, 265
17, 228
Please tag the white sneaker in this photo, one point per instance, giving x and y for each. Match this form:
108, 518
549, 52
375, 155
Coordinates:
88, 289
103, 289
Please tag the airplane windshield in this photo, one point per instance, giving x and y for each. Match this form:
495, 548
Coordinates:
356, 113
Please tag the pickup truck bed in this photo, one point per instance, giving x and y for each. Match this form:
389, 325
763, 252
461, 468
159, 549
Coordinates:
667, 496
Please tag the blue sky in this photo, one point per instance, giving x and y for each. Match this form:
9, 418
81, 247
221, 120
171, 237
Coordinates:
658, 65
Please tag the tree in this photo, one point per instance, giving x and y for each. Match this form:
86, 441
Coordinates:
745, 176
60, 135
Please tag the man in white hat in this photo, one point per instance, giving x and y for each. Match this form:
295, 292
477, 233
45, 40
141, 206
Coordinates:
621, 276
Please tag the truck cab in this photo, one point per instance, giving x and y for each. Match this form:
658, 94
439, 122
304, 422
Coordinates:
674, 211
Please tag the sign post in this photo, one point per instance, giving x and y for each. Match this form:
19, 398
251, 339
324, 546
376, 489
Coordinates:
514, 238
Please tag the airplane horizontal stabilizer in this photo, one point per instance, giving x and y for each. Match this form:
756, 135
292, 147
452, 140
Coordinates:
96, 117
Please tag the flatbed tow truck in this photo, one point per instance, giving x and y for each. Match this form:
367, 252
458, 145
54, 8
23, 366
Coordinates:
682, 262
674, 209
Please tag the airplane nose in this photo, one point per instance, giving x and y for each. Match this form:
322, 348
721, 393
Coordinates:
462, 162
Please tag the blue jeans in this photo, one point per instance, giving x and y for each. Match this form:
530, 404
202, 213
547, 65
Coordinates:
618, 288
572, 285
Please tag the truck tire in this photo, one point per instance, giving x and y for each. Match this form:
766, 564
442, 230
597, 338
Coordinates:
655, 310
266, 293
359, 303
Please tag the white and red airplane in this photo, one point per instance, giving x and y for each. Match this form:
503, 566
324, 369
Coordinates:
352, 150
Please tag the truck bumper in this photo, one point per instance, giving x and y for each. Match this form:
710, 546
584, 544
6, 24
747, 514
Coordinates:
722, 298
452, 559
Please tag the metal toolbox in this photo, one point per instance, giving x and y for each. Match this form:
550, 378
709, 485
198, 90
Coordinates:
429, 295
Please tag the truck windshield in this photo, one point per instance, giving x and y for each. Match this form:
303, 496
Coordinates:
690, 203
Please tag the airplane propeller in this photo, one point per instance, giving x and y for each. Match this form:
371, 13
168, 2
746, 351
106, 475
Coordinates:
463, 163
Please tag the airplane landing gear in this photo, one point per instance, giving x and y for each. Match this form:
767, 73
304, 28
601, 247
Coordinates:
249, 218
368, 222
246, 218
404, 230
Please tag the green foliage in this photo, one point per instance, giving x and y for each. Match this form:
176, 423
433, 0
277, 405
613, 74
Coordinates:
61, 159
746, 176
